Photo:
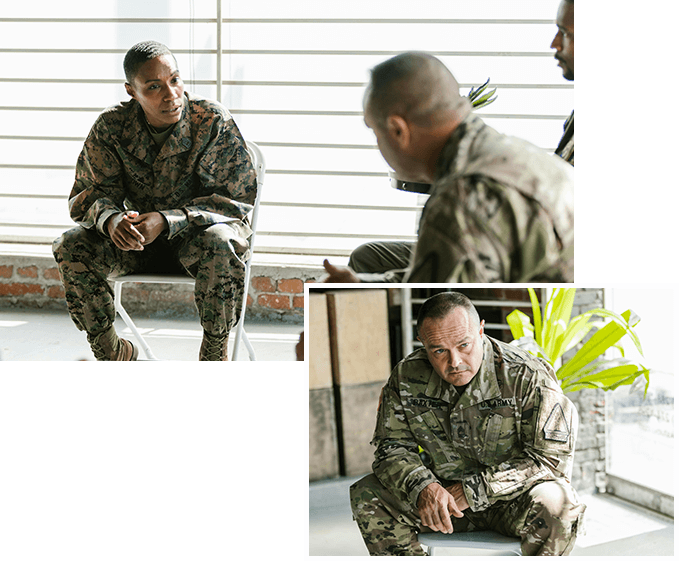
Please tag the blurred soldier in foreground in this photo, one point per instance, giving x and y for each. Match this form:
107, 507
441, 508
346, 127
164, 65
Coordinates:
472, 434
164, 183
500, 210
564, 43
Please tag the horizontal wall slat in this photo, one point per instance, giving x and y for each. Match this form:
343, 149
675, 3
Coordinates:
282, 112
280, 20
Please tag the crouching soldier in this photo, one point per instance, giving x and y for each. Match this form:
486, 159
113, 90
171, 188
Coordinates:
472, 434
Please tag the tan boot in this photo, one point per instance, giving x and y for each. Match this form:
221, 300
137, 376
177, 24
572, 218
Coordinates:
213, 347
108, 346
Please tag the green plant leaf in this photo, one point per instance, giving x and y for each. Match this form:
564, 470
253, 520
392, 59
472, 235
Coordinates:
519, 324
474, 92
567, 376
610, 378
597, 345
537, 316
486, 99
559, 317
578, 328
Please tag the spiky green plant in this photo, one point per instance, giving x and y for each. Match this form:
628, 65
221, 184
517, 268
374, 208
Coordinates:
556, 332
477, 100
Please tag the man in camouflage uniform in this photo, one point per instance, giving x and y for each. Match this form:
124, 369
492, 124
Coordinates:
474, 428
564, 43
164, 183
500, 210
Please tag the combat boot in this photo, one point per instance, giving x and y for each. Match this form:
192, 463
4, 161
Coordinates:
213, 347
108, 346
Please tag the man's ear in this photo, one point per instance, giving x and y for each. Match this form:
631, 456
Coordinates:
398, 130
483, 322
129, 89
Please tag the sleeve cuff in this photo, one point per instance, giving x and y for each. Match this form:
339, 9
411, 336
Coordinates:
101, 221
423, 477
176, 221
475, 492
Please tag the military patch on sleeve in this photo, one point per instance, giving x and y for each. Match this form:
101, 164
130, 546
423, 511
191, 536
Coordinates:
556, 427
555, 422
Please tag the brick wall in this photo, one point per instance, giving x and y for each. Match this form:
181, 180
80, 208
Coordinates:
276, 292
589, 471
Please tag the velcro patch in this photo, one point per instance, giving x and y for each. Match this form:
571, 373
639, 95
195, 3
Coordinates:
557, 428
556, 422
497, 403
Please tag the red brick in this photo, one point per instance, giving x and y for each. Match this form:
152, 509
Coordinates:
275, 301
30, 272
52, 274
250, 301
19, 289
56, 292
6, 271
293, 286
262, 284
298, 302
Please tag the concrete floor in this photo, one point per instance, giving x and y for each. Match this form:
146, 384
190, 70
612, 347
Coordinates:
613, 526
51, 335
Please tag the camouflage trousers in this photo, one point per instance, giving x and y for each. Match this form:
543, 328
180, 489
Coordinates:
545, 517
380, 257
214, 255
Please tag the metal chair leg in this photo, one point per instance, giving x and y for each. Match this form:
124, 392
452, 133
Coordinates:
117, 293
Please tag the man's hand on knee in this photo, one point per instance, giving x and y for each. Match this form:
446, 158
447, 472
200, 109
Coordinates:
435, 505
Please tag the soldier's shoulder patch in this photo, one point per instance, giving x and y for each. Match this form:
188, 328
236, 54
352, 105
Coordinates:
557, 427
556, 421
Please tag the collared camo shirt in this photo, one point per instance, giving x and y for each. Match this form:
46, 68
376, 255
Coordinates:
511, 428
201, 175
500, 210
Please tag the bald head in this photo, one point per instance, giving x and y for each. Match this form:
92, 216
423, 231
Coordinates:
415, 86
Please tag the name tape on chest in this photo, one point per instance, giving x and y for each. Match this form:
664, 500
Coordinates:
428, 403
496, 403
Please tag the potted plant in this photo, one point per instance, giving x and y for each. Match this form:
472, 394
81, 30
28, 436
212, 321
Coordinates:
555, 332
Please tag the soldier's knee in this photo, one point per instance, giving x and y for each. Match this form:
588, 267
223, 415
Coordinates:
223, 239
361, 255
69, 243
554, 519
557, 500
363, 495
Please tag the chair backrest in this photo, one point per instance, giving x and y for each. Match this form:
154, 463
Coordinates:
260, 169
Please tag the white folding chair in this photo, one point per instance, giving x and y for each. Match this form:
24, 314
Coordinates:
485, 539
260, 169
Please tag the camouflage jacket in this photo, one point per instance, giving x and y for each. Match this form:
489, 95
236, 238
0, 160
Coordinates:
201, 175
511, 428
566, 147
500, 210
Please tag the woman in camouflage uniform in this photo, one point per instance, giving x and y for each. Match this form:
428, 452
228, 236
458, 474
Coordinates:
164, 183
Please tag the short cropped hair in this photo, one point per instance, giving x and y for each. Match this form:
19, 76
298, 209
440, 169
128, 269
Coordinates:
139, 54
411, 83
442, 304
383, 76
